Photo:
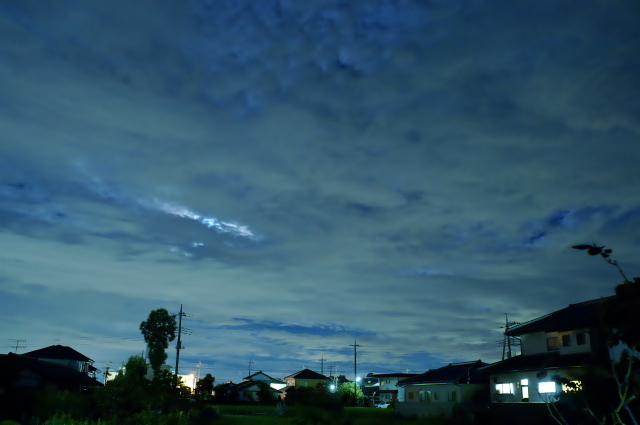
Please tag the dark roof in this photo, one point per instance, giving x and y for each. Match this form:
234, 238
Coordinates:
462, 373
63, 377
539, 362
575, 316
306, 374
392, 375
57, 352
257, 373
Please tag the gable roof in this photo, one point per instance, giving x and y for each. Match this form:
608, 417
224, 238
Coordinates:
539, 362
306, 374
575, 316
459, 373
253, 375
57, 352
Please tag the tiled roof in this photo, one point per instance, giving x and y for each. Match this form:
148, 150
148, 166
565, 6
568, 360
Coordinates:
57, 352
463, 373
575, 316
306, 374
539, 362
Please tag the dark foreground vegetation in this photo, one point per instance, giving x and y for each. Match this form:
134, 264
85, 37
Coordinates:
145, 404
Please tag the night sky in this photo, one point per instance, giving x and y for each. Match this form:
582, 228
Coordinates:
303, 174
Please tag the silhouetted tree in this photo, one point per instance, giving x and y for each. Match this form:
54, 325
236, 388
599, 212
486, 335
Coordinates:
204, 386
158, 330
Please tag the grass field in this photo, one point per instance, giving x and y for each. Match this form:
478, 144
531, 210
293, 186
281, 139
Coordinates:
264, 415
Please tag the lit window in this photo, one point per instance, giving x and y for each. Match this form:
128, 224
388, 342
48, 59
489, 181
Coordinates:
566, 340
504, 388
553, 344
524, 382
581, 338
572, 387
546, 387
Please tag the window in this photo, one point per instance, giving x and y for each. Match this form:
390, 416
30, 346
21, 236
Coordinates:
581, 338
524, 386
572, 387
504, 388
436, 396
410, 395
546, 387
303, 383
552, 344
566, 340
424, 395
453, 396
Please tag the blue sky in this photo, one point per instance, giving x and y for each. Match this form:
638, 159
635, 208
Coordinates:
300, 176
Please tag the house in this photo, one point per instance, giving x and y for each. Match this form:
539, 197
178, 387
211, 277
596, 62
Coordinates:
441, 391
249, 389
21, 372
65, 356
556, 345
276, 384
305, 378
387, 390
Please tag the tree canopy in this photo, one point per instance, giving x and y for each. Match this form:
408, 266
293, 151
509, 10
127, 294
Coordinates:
158, 330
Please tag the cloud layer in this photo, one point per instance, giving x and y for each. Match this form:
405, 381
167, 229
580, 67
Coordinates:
300, 175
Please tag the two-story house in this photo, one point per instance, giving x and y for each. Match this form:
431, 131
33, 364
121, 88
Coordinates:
65, 356
387, 385
556, 345
305, 378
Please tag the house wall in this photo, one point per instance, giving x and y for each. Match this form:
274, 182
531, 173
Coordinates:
292, 382
536, 343
514, 381
436, 399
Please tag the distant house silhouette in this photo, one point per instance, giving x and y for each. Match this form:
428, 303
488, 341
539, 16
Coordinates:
20, 372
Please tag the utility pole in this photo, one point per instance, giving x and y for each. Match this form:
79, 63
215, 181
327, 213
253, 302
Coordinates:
355, 346
508, 341
322, 365
250, 363
179, 343
16, 344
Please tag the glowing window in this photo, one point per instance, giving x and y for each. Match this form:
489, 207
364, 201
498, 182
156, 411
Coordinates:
571, 387
524, 382
504, 388
546, 387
